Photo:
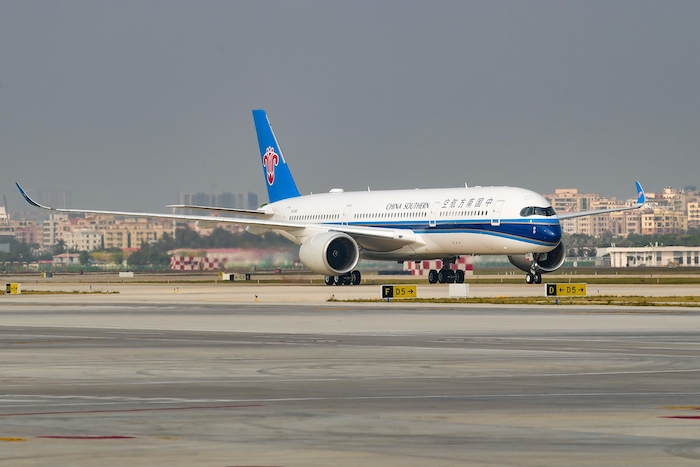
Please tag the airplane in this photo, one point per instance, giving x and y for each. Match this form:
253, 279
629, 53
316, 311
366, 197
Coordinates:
336, 229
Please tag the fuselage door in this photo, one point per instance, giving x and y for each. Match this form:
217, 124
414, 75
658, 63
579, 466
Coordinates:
432, 220
346, 214
496, 213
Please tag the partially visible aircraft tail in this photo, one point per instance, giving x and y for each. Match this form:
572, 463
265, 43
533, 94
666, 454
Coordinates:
641, 197
278, 178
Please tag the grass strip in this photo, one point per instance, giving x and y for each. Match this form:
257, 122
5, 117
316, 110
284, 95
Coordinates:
687, 301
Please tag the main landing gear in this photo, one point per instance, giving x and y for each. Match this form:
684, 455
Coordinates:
446, 275
352, 278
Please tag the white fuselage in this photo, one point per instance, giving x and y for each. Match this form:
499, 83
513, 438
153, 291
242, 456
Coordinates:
446, 221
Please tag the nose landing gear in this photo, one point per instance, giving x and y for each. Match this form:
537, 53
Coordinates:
533, 277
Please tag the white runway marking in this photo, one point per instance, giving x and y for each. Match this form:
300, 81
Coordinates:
104, 401
272, 379
51, 336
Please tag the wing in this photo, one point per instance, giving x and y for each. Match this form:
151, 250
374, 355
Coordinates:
374, 238
641, 199
257, 212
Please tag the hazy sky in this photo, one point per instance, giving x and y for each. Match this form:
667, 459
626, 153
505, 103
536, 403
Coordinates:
128, 103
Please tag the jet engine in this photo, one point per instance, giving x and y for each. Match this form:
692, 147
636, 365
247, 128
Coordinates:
540, 262
330, 253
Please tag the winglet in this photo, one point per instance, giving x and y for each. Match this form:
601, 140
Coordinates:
641, 197
30, 200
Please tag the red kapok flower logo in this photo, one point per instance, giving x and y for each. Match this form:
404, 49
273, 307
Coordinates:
270, 160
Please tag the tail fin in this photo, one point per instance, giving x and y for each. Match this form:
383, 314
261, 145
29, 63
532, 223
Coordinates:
278, 178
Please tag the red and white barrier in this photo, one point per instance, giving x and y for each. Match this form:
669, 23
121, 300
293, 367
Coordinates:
421, 268
194, 263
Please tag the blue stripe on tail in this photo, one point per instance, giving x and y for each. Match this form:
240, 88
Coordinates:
278, 178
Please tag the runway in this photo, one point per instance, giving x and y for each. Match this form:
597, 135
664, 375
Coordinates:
274, 385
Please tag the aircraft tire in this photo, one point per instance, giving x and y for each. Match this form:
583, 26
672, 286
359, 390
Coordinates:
328, 280
529, 278
356, 278
432, 276
459, 276
450, 276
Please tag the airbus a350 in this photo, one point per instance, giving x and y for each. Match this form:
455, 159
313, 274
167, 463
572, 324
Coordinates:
336, 229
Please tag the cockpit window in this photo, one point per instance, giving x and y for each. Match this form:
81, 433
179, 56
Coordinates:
537, 211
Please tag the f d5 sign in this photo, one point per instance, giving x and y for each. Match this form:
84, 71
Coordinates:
565, 290
399, 291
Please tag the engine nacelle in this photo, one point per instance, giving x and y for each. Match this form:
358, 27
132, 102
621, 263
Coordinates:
544, 262
330, 253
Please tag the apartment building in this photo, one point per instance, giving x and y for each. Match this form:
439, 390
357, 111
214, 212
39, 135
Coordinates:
83, 238
663, 221
625, 223
5, 227
52, 229
570, 200
28, 231
670, 211
693, 211
81, 233
147, 230
116, 238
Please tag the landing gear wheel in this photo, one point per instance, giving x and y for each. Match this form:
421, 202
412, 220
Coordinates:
459, 276
442, 276
328, 280
537, 277
337, 280
356, 278
432, 276
529, 278
347, 279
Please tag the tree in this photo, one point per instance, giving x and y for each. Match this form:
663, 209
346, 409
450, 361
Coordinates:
84, 257
59, 247
44, 255
147, 255
117, 257
156, 254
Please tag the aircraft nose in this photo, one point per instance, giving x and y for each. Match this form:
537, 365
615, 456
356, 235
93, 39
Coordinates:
552, 233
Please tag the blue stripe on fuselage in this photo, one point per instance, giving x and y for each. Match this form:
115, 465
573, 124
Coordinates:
536, 231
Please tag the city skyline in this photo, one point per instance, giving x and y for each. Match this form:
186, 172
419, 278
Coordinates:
671, 211
234, 199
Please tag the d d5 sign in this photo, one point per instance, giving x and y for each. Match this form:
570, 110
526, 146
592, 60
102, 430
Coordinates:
565, 290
